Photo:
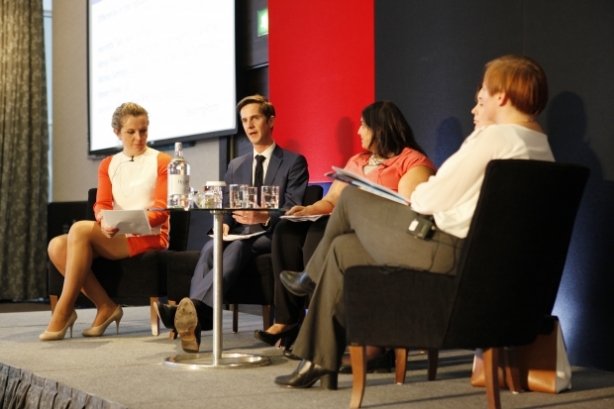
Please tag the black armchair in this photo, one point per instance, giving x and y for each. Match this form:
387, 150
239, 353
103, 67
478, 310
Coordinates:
508, 278
138, 280
255, 285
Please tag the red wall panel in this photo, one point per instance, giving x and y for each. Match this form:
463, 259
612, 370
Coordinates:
321, 76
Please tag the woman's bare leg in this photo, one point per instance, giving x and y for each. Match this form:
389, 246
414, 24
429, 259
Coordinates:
72, 254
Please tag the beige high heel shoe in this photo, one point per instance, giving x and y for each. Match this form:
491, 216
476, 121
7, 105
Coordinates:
57, 335
99, 330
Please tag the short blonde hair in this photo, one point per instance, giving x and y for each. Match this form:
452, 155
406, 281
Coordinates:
125, 109
522, 79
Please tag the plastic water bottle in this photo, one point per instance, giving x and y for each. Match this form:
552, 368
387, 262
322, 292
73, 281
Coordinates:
178, 180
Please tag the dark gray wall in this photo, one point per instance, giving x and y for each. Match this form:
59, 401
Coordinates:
429, 60
252, 66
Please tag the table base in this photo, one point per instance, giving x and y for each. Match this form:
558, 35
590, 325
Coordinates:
205, 361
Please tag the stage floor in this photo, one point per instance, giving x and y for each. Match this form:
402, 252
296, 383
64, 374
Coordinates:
129, 369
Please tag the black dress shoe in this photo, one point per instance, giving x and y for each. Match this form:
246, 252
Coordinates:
288, 336
306, 374
382, 363
166, 313
288, 354
187, 325
299, 284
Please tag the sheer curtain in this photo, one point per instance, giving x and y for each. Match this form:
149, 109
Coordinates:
23, 151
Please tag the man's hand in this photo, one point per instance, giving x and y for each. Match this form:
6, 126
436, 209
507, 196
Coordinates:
245, 217
225, 229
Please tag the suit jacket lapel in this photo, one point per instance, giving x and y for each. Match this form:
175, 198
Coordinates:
244, 171
274, 163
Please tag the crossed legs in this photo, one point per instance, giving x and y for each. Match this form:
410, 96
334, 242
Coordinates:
72, 255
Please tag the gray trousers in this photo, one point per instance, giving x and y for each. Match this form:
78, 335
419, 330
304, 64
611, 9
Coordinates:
363, 229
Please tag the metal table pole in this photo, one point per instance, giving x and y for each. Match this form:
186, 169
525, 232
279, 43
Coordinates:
217, 285
217, 359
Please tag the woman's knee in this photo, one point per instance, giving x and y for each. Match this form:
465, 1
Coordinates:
81, 229
57, 248
348, 252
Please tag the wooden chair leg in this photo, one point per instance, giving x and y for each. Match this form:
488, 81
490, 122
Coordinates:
155, 321
172, 334
491, 377
53, 300
267, 316
235, 318
433, 358
512, 374
400, 364
358, 358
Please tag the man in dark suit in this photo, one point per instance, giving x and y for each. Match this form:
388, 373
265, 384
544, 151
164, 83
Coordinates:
268, 164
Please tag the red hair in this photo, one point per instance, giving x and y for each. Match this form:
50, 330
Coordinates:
522, 79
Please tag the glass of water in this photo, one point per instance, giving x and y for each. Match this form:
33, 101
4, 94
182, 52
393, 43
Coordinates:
249, 197
211, 195
269, 197
235, 195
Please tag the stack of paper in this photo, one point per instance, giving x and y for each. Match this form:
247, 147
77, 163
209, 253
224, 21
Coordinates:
365, 184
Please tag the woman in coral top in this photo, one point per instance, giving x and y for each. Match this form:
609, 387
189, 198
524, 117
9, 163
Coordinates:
134, 178
392, 158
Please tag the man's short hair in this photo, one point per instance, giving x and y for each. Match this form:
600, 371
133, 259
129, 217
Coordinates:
522, 79
266, 108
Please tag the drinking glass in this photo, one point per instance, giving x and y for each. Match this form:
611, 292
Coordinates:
193, 198
235, 195
269, 197
250, 197
212, 197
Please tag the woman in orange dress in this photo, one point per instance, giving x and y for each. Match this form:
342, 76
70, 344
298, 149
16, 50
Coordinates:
135, 178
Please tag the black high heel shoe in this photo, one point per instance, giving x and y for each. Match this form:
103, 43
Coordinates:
299, 284
271, 339
288, 354
306, 374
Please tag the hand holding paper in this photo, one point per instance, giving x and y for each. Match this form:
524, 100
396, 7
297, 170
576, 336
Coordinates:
128, 221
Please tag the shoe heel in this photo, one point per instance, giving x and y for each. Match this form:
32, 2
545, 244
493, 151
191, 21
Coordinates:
329, 381
287, 342
71, 329
117, 326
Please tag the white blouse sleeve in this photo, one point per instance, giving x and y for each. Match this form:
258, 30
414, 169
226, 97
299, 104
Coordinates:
460, 175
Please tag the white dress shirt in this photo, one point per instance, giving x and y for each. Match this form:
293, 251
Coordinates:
452, 194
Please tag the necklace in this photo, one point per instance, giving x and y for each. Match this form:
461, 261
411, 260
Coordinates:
375, 161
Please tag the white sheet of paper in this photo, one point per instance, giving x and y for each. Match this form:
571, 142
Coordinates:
128, 221
311, 218
233, 237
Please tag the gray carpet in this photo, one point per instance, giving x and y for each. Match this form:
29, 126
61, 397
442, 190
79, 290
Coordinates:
128, 369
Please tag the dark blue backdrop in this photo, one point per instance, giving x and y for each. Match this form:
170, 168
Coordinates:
429, 60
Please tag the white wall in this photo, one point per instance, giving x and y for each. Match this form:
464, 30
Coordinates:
73, 173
